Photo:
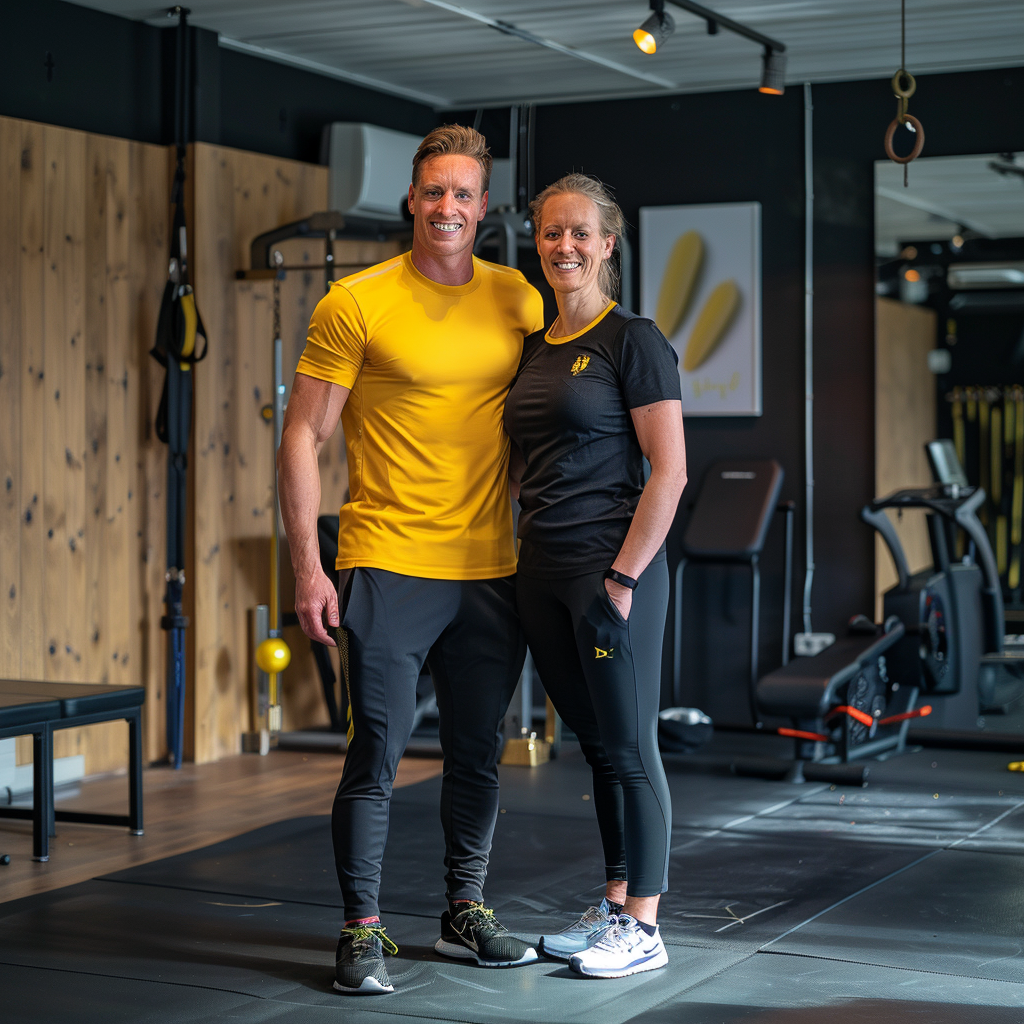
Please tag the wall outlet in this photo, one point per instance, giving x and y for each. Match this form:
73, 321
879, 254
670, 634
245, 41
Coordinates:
807, 645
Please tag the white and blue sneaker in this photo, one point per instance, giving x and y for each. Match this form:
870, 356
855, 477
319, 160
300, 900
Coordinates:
624, 949
580, 935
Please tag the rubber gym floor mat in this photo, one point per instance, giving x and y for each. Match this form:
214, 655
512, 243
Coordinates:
913, 815
563, 789
737, 890
1004, 836
288, 860
782, 989
36, 995
293, 860
940, 770
284, 953
728, 889
954, 912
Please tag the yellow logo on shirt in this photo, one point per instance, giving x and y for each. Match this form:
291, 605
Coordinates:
580, 365
599, 653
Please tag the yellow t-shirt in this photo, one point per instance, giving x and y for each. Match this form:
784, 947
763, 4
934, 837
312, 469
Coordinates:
429, 366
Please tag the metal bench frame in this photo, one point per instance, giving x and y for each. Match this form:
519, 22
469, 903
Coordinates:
43, 814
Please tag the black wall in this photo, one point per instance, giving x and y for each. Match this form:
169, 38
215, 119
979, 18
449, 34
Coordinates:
75, 67
272, 108
78, 68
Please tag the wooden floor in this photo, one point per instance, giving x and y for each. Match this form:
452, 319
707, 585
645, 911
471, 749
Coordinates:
185, 809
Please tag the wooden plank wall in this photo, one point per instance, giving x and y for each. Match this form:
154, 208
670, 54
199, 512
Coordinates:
83, 243
904, 422
235, 197
83, 250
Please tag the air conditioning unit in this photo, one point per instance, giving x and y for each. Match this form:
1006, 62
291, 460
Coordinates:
370, 169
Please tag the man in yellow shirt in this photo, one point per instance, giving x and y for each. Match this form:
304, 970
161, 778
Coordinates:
415, 357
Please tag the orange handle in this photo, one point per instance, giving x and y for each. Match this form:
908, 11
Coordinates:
801, 735
861, 716
920, 712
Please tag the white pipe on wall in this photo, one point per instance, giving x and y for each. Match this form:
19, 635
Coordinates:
808, 350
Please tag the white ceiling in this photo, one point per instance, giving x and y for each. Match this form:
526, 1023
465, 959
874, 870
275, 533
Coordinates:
946, 195
441, 52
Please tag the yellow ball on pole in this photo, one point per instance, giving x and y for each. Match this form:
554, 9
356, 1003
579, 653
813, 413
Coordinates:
273, 655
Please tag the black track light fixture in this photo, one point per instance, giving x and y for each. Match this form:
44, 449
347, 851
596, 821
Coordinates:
656, 29
773, 72
654, 32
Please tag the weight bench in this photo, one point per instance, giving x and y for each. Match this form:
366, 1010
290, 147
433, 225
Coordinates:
729, 524
39, 709
842, 703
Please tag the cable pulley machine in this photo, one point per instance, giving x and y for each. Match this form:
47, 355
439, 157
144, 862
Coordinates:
267, 261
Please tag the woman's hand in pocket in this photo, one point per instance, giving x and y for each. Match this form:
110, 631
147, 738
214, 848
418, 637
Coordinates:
621, 597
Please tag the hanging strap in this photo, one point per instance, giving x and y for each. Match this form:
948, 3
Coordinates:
179, 323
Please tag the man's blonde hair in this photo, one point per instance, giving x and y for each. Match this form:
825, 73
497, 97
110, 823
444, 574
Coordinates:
454, 140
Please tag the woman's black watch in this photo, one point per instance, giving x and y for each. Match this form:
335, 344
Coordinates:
621, 578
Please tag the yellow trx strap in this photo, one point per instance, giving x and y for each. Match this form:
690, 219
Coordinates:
191, 317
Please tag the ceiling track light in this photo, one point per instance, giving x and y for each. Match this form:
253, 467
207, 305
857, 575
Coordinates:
773, 72
656, 29
654, 32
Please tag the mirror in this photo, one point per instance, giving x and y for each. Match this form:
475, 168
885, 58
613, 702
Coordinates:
949, 252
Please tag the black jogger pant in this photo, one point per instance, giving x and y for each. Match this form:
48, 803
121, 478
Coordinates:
603, 675
467, 632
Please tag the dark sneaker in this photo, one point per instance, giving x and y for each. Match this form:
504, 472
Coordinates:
476, 934
359, 963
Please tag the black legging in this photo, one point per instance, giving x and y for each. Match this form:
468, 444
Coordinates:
603, 675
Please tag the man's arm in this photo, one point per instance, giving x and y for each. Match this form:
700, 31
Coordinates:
314, 409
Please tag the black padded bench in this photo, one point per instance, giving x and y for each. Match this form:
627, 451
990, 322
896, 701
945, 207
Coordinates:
40, 708
814, 694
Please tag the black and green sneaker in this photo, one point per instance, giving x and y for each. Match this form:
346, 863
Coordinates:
359, 963
476, 934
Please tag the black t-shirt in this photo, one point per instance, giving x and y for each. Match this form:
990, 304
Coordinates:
568, 412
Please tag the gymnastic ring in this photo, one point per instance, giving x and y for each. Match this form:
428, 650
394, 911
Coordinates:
918, 140
904, 92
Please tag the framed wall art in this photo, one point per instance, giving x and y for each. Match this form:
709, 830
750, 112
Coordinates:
700, 281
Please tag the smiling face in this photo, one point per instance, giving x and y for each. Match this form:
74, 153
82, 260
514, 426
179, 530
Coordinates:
447, 202
571, 246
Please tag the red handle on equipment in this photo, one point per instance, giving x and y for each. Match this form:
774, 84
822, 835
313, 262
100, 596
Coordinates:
920, 712
801, 735
861, 716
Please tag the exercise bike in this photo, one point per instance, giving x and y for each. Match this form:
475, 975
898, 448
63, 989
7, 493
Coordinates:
942, 637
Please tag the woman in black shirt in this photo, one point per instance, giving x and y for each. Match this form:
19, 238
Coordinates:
594, 395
